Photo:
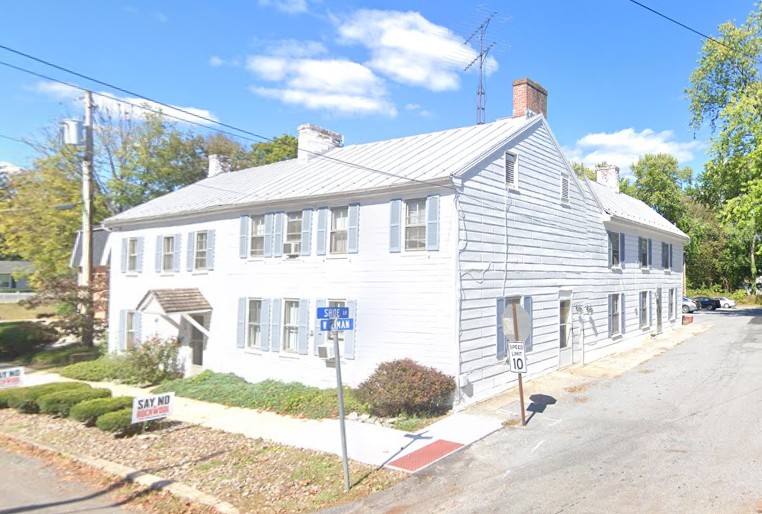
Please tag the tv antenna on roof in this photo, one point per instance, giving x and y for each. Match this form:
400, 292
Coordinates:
481, 94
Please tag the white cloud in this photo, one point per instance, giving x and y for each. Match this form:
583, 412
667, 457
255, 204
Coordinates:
160, 17
286, 6
216, 61
295, 48
409, 49
9, 168
625, 147
124, 106
418, 109
336, 102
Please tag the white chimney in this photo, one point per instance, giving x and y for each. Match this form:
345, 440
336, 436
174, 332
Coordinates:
314, 141
608, 176
218, 164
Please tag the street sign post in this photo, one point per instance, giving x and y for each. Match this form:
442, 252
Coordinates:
332, 312
517, 326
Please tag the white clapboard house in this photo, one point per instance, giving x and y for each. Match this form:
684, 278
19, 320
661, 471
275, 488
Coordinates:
426, 239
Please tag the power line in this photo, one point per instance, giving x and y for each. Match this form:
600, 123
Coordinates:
13, 139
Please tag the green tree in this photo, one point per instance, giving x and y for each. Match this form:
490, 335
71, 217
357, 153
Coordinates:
279, 149
659, 183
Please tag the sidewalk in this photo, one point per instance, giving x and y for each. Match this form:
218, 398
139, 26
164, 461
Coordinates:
380, 446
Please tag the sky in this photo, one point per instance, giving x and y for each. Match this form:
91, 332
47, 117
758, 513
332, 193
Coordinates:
370, 70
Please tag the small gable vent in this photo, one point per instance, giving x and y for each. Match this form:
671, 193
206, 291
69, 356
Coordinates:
564, 188
510, 169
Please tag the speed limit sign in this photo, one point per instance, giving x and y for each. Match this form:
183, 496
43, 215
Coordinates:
517, 359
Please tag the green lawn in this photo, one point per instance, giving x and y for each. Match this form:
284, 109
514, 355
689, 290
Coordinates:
15, 312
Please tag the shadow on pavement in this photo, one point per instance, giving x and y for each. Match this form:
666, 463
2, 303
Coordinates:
539, 403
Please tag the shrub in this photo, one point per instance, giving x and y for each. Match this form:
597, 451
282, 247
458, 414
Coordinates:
25, 399
120, 423
406, 387
155, 360
89, 411
60, 403
7, 394
60, 356
23, 338
106, 368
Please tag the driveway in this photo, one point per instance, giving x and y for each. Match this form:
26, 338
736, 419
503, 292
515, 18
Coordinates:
678, 433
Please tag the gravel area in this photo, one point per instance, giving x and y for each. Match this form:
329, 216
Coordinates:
252, 474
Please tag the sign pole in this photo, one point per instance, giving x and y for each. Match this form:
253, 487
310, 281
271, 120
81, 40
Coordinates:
521, 384
340, 390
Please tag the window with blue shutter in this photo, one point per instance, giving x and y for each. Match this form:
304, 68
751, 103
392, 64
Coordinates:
621, 250
304, 332
124, 256
265, 323
189, 251
322, 230
159, 252
395, 224
140, 254
353, 228
269, 220
210, 241
176, 262
319, 334
275, 324
122, 329
500, 343
137, 327
278, 235
622, 314
349, 335
650, 253
242, 308
432, 223
243, 237
306, 232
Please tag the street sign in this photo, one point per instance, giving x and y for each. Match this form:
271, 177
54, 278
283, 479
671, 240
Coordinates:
517, 359
327, 325
11, 377
332, 312
517, 325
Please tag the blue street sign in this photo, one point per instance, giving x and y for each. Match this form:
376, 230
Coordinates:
326, 325
333, 312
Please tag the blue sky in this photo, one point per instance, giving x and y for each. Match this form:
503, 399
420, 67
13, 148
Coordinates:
370, 70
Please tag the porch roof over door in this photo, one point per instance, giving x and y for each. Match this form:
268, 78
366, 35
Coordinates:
185, 300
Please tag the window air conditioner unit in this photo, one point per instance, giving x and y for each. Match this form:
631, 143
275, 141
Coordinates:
326, 352
291, 249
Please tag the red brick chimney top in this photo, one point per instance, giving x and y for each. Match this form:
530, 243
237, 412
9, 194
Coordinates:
529, 98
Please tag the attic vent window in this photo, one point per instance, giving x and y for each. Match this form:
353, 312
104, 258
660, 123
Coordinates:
564, 188
511, 170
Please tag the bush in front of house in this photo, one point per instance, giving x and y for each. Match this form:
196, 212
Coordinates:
7, 394
89, 411
120, 423
26, 399
155, 360
100, 370
62, 356
21, 338
406, 387
61, 402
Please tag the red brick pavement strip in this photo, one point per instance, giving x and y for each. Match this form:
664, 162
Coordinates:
422, 457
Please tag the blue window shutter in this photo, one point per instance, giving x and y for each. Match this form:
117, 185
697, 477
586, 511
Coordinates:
650, 253
278, 235
243, 237
501, 349
122, 328
353, 228
621, 250
140, 255
432, 223
268, 252
158, 253
264, 324
306, 232
191, 247
319, 335
611, 259
124, 255
322, 229
176, 256
275, 327
210, 250
242, 304
137, 319
670, 256
622, 313
304, 328
395, 220
528, 304
349, 335
611, 308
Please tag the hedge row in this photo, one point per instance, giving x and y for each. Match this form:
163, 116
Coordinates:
80, 401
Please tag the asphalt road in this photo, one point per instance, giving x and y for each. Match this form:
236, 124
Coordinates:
30, 485
679, 433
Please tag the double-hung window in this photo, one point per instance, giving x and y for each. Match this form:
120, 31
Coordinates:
671, 303
339, 225
291, 326
200, 259
643, 309
254, 324
167, 253
615, 314
130, 329
644, 252
132, 254
415, 224
666, 256
616, 249
257, 236
292, 245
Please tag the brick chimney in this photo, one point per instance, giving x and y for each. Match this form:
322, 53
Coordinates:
218, 164
314, 141
608, 176
529, 98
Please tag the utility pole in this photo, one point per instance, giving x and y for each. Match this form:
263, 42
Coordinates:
87, 225
481, 94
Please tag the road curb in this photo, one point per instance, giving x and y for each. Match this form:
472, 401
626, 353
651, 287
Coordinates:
148, 480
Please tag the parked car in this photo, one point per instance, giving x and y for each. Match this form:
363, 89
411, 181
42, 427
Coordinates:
688, 305
727, 303
707, 303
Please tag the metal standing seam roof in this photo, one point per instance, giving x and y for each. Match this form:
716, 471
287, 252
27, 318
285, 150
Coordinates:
354, 168
625, 207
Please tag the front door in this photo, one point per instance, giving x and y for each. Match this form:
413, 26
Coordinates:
658, 310
197, 340
564, 333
